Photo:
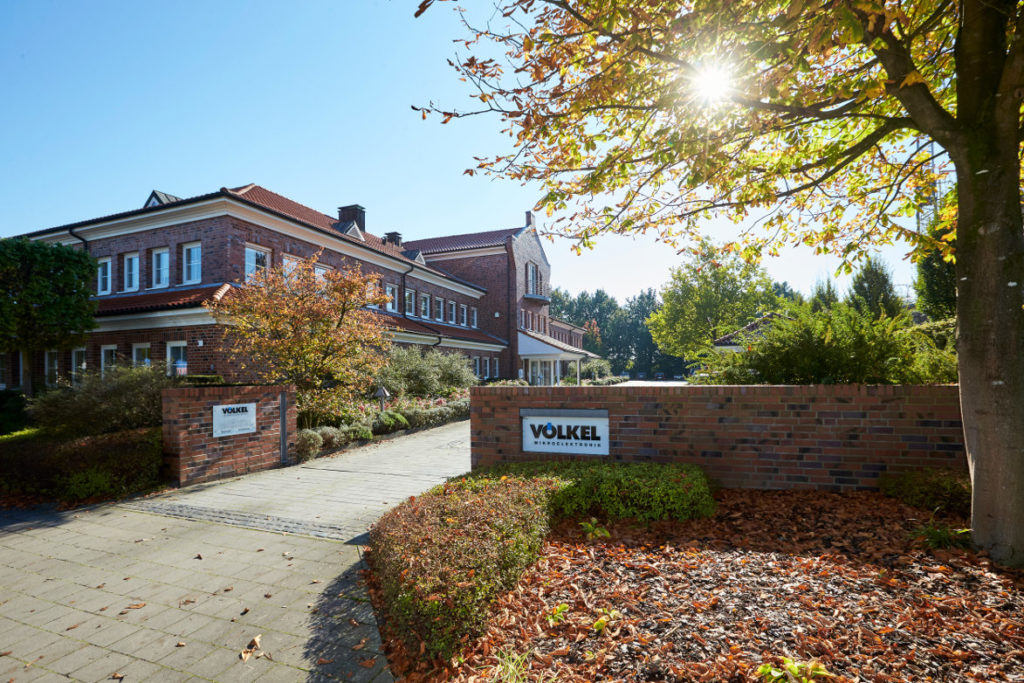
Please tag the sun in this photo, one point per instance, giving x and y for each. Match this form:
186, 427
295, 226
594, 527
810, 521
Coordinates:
711, 83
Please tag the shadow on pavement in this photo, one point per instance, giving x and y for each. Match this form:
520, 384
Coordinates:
13, 520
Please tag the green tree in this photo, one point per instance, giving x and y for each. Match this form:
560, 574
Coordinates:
45, 302
590, 311
872, 290
824, 296
651, 115
713, 294
935, 285
629, 341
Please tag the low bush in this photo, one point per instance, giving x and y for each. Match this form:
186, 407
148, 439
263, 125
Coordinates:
332, 437
35, 463
13, 417
308, 444
389, 421
201, 380
937, 490
509, 383
125, 397
441, 559
412, 371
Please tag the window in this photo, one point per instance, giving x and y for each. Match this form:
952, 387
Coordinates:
177, 363
77, 364
391, 291
108, 357
256, 259
425, 306
191, 263
532, 279
140, 354
439, 309
289, 263
3, 370
103, 276
451, 312
410, 301
476, 365
131, 272
52, 367
161, 268
494, 367
472, 316
320, 271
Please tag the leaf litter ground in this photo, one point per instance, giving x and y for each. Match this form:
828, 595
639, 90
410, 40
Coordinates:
837, 578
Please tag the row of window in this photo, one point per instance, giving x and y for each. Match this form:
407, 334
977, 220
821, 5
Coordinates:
528, 320
159, 272
457, 314
484, 369
175, 358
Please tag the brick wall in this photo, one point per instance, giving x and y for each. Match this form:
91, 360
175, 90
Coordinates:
193, 454
824, 437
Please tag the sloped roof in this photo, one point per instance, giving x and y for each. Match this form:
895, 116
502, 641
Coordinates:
158, 301
473, 240
556, 343
399, 322
734, 337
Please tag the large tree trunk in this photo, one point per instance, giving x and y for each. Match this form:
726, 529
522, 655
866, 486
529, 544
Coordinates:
990, 339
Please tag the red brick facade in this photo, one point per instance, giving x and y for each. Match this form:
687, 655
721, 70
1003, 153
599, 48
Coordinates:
822, 437
193, 454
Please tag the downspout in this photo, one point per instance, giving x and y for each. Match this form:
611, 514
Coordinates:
513, 314
404, 314
85, 243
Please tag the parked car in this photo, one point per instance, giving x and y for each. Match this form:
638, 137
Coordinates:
641, 375
659, 375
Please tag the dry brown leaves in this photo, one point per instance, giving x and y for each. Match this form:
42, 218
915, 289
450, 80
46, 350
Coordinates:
808, 575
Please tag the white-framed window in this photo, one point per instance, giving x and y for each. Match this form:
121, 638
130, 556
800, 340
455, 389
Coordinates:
256, 259
372, 290
391, 291
476, 365
463, 315
177, 358
494, 367
161, 270
103, 276
319, 271
52, 367
425, 306
140, 354
77, 364
4, 375
472, 317
451, 312
410, 301
289, 263
438, 309
131, 272
108, 357
533, 284
191, 263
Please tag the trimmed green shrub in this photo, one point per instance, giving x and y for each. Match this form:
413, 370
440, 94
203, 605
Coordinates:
332, 437
937, 490
308, 444
13, 417
201, 380
435, 416
389, 421
126, 397
413, 371
33, 462
443, 558
358, 432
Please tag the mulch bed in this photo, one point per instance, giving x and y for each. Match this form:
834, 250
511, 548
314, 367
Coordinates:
832, 577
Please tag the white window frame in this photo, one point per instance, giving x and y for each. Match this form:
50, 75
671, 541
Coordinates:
410, 301
392, 292
289, 263
255, 250
439, 305
167, 355
494, 368
425, 306
55, 356
78, 368
186, 263
451, 312
473, 317
133, 271
103, 358
320, 270
103, 280
476, 365
464, 315
137, 347
155, 270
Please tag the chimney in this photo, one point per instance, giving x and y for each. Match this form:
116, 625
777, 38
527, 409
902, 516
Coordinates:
529, 219
394, 238
353, 212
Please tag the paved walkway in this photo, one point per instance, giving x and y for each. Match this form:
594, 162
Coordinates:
174, 587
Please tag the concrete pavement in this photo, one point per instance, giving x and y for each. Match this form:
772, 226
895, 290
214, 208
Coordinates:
113, 590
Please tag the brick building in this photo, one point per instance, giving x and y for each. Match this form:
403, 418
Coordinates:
483, 295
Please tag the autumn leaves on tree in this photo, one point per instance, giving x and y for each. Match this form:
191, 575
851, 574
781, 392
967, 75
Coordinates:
309, 327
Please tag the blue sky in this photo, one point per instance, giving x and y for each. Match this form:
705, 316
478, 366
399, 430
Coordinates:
105, 101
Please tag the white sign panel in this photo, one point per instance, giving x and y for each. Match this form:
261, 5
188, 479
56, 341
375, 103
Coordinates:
239, 418
565, 434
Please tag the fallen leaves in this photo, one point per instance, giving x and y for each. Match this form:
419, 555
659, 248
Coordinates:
254, 649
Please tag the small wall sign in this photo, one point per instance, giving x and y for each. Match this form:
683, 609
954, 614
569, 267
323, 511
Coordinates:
229, 420
565, 431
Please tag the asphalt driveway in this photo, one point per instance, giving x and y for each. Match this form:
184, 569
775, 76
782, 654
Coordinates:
175, 587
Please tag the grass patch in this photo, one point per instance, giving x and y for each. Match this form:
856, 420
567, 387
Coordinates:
440, 560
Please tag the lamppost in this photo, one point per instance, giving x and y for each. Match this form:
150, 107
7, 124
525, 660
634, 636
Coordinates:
382, 395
